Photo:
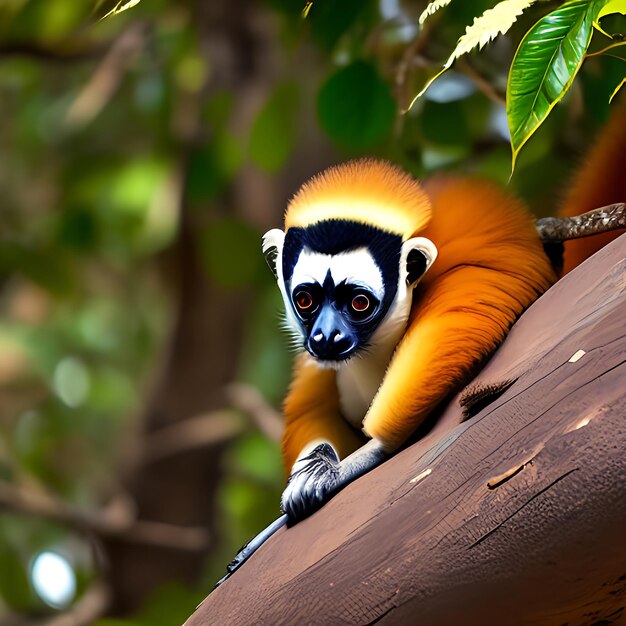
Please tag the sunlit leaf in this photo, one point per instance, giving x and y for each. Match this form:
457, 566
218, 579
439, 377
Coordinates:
611, 7
307, 8
488, 26
355, 106
545, 64
122, 6
619, 86
432, 8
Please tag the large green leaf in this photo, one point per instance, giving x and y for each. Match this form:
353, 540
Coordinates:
545, 65
329, 19
273, 134
356, 107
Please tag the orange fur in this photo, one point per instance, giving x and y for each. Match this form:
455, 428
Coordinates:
600, 181
490, 267
368, 191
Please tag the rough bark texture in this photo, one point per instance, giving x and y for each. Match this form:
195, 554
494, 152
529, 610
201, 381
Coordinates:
516, 516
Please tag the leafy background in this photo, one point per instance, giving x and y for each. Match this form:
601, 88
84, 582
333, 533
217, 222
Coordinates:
141, 158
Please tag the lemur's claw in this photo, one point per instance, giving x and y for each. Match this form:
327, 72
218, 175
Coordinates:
312, 483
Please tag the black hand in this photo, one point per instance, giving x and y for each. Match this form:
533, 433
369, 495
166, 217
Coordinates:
313, 482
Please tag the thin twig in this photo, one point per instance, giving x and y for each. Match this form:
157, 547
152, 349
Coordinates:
465, 67
111, 520
603, 50
250, 401
87, 610
105, 81
215, 427
202, 431
411, 55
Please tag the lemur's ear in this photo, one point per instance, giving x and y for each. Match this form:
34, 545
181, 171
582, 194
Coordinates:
417, 255
272, 247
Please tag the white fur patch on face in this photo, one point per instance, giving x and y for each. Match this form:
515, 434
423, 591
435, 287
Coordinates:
356, 267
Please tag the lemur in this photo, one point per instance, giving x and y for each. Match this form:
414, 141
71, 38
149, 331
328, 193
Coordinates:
397, 291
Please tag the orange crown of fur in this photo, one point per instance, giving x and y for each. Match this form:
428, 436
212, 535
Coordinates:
369, 191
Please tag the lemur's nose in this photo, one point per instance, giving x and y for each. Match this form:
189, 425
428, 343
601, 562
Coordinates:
331, 338
331, 345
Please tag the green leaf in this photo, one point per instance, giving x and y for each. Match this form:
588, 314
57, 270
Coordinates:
273, 134
619, 86
609, 8
120, 7
212, 167
330, 19
355, 106
544, 66
432, 8
488, 26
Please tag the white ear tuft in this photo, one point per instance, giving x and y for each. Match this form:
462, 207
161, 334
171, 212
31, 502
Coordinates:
417, 255
272, 246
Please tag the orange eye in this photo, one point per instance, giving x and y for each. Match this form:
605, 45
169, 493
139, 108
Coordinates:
303, 300
360, 303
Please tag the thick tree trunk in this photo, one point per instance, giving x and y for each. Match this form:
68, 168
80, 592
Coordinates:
515, 516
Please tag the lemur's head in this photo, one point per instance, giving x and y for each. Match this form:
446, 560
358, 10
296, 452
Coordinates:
348, 259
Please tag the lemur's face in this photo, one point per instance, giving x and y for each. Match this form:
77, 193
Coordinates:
339, 300
344, 284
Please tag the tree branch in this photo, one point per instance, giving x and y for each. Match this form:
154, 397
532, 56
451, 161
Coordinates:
482, 84
86, 611
202, 431
602, 220
56, 54
117, 519
106, 79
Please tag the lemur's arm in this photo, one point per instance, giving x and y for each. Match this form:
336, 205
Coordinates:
452, 332
491, 266
312, 414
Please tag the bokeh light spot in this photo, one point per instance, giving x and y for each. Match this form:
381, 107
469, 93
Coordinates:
71, 381
53, 579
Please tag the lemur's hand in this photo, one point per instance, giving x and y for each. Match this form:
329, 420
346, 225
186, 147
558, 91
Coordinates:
313, 481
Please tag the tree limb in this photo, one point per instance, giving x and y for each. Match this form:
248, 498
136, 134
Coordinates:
117, 519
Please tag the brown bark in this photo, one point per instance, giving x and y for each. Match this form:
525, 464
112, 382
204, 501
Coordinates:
515, 516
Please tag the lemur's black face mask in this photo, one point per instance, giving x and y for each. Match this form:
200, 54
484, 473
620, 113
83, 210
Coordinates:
341, 278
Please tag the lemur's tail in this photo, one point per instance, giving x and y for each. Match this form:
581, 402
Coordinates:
600, 181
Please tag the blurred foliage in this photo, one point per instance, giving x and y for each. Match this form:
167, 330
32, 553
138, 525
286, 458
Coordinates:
112, 131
